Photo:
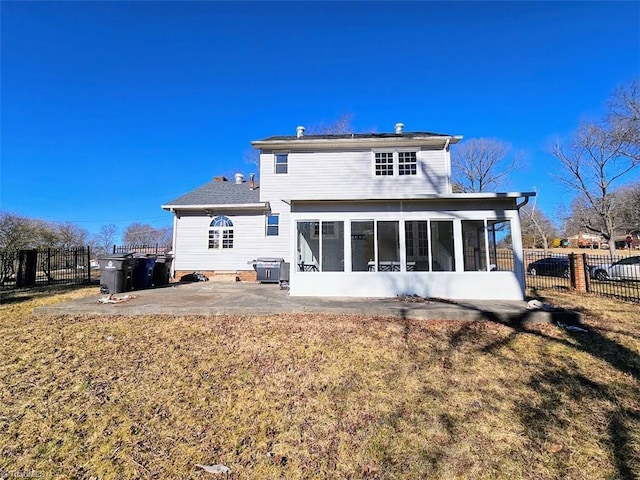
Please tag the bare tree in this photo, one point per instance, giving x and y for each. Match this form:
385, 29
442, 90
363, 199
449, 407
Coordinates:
340, 125
537, 228
145, 234
596, 157
482, 164
165, 236
252, 157
625, 212
16, 232
106, 237
576, 216
139, 234
629, 207
624, 118
70, 235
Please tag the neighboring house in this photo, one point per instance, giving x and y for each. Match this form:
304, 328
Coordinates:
357, 215
630, 241
586, 240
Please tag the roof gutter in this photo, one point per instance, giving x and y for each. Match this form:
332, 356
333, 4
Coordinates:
301, 143
527, 196
219, 206
458, 197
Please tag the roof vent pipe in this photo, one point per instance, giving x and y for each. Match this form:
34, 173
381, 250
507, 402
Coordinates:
299, 131
399, 128
239, 178
252, 181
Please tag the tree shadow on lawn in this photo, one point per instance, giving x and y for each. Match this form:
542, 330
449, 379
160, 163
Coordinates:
546, 412
543, 412
6, 300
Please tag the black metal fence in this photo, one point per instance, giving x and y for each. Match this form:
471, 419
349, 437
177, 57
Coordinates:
618, 277
547, 270
45, 266
148, 249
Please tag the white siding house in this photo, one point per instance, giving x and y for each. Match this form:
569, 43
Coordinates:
357, 215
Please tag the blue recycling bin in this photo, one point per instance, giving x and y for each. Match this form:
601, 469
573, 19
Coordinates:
143, 272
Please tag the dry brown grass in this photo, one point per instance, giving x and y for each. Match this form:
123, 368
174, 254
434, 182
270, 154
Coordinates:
319, 396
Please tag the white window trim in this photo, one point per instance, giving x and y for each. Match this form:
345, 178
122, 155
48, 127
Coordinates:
275, 162
220, 230
396, 162
266, 224
397, 157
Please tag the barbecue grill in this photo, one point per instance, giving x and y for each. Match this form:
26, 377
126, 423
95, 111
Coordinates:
268, 269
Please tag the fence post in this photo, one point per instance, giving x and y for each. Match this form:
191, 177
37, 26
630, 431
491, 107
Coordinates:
577, 267
585, 273
88, 264
27, 267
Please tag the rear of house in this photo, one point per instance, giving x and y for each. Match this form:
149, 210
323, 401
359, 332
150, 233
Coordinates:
356, 215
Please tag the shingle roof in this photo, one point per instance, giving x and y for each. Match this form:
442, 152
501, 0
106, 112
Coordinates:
356, 135
219, 193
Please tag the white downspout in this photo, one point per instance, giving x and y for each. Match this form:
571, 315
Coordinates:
448, 155
173, 246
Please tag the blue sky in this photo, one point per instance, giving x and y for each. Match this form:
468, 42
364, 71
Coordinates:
110, 109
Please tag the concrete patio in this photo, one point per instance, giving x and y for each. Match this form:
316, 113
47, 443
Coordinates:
240, 298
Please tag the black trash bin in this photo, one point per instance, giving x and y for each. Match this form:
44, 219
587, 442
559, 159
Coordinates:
162, 270
116, 272
143, 271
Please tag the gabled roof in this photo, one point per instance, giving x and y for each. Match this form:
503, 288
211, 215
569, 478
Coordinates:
218, 193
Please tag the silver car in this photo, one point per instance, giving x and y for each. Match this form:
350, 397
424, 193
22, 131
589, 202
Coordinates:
625, 269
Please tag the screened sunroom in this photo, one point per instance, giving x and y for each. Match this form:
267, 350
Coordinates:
469, 254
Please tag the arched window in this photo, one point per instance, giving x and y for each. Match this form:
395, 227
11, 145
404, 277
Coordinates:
221, 233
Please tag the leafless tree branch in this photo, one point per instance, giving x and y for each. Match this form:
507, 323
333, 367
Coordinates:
482, 164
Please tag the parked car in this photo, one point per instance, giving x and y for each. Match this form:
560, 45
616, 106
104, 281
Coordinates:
625, 269
552, 266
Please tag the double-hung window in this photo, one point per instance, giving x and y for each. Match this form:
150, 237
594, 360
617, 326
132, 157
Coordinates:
384, 163
407, 163
282, 163
395, 163
221, 233
273, 225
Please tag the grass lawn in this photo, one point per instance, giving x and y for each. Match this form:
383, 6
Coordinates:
315, 396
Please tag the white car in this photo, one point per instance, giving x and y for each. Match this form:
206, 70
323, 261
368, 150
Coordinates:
625, 269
